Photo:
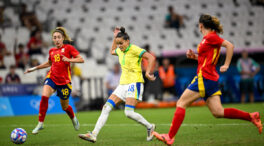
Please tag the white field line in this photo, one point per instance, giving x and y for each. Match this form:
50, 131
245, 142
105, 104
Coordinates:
125, 125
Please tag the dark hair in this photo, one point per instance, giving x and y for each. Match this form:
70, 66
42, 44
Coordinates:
147, 47
170, 8
20, 45
12, 66
34, 32
211, 22
123, 34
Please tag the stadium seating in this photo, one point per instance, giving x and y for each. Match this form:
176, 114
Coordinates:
144, 21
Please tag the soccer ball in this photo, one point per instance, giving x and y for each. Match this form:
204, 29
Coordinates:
18, 136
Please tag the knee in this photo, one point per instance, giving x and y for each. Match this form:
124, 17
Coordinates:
218, 114
181, 104
64, 108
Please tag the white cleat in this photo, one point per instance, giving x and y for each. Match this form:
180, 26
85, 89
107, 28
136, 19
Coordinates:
88, 136
40, 126
150, 132
76, 123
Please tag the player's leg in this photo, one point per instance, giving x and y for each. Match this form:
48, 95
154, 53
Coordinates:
68, 109
130, 113
109, 105
43, 107
215, 106
185, 100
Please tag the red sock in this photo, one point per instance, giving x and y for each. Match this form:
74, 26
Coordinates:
233, 113
43, 107
176, 121
70, 112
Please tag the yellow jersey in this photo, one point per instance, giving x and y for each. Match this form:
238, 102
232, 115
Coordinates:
130, 61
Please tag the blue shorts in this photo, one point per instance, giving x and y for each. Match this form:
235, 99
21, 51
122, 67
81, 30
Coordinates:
63, 91
205, 87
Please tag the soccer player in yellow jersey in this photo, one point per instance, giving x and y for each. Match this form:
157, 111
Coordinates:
130, 89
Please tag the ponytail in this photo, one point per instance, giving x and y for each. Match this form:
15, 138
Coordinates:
62, 30
123, 34
211, 22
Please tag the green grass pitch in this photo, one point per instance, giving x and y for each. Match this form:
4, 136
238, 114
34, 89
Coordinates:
199, 128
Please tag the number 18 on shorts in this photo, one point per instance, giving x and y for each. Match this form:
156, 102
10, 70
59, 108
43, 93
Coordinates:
133, 90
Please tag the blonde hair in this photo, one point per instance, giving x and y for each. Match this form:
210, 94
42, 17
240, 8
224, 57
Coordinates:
63, 31
211, 22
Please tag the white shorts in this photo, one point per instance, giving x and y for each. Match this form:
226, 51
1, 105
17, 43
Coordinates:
133, 90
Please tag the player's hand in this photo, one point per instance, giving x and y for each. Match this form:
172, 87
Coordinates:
150, 77
224, 68
30, 70
27, 71
190, 54
116, 31
65, 59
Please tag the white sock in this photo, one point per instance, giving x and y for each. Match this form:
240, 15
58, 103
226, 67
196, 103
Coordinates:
102, 119
137, 117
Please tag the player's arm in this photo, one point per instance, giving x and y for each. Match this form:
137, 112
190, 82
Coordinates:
151, 61
191, 55
41, 66
229, 54
114, 45
77, 59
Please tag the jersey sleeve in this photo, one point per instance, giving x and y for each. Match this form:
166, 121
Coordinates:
117, 51
139, 51
49, 55
255, 64
73, 51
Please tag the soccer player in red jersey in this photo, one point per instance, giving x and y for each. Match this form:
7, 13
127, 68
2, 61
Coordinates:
205, 83
59, 77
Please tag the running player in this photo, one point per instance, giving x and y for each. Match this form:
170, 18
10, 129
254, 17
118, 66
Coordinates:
59, 77
130, 88
205, 83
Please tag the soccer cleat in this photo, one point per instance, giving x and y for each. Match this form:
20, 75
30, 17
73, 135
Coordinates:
164, 137
88, 136
76, 123
40, 126
255, 119
150, 132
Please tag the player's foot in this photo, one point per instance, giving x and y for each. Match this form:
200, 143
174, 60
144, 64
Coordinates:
150, 132
164, 137
88, 136
40, 126
255, 119
76, 123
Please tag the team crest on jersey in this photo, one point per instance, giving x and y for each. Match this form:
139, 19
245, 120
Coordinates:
62, 50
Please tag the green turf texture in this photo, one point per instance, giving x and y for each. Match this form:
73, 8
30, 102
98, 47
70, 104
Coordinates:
199, 128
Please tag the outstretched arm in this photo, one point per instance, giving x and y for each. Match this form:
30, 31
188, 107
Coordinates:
41, 66
229, 54
151, 61
114, 46
77, 59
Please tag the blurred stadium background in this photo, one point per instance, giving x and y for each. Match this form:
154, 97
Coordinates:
90, 24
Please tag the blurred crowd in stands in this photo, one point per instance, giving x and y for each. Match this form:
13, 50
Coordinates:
163, 88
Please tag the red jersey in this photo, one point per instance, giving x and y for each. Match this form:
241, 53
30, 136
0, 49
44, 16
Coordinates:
208, 54
60, 71
33, 40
